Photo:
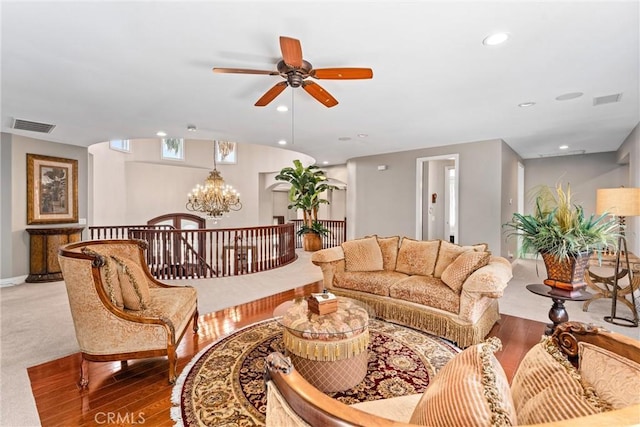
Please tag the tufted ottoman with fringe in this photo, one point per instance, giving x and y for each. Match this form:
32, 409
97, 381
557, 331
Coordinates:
330, 350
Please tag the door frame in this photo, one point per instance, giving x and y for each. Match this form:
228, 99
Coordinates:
420, 161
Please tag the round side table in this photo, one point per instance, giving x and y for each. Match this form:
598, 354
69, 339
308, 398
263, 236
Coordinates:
558, 313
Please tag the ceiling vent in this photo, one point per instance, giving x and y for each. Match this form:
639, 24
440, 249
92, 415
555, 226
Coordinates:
32, 126
607, 99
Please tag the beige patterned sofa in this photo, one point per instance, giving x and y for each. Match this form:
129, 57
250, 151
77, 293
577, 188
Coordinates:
119, 311
449, 290
472, 389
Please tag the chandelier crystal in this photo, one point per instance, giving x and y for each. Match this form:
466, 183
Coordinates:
214, 198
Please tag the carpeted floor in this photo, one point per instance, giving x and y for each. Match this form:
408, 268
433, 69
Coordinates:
224, 385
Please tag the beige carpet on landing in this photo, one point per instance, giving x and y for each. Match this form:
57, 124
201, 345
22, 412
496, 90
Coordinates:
36, 325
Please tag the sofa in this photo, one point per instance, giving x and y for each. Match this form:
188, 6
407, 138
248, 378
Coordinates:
119, 310
449, 290
580, 376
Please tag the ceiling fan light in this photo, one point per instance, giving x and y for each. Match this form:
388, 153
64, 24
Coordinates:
282, 108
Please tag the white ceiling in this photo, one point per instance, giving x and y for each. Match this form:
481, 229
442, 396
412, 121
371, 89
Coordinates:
108, 70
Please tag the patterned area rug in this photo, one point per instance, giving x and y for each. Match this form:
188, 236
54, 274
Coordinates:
223, 385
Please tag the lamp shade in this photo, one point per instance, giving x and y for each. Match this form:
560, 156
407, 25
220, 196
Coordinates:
618, 201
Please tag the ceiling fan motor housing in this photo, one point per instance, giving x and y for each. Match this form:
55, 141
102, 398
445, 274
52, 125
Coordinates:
294, 75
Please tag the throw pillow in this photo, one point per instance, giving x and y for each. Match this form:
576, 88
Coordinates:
108, 277
446, 255
462, 267
389, 249
619, 383
471, 390
417, 256
362, 255
135, 289
547, 388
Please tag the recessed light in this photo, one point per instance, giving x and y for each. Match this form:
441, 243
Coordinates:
567, 96
282, 108
344, 138
495, 39
161, 133
526, 104
564, 147
362, 135
282, 142
325, 162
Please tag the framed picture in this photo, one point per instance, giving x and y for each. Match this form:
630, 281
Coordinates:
226, 152
52, 190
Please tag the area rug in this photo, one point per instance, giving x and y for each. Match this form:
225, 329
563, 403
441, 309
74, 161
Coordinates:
224, 384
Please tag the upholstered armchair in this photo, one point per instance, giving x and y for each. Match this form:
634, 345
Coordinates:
120, 312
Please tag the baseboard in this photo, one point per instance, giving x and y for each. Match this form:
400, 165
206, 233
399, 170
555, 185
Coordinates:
12, 281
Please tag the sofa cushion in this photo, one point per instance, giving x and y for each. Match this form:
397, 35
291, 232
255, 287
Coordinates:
417, 256
449, 252
471, 390
133, 283
427, 291
619, 383
362, 255
376, 282
174, 305
389, 249
108, 277
547, 388
462, 267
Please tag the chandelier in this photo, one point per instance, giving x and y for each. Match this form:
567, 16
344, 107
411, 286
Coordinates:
214, 198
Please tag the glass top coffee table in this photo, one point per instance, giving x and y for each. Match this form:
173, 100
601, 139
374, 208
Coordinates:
329, 350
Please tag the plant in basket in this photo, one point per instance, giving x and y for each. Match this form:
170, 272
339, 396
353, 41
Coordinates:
565, 238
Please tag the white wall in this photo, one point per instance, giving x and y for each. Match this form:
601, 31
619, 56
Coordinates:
384, 201
629, 153
147, 185
15, 254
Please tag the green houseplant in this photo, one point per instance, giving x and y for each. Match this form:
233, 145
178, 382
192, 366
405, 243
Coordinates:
307, 184
561, 233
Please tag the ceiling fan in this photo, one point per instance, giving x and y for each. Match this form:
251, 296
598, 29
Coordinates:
296, 70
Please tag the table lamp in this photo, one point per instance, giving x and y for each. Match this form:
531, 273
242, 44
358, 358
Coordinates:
621, 202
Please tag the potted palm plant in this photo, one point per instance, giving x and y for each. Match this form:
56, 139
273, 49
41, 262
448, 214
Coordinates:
307, 183
559, 231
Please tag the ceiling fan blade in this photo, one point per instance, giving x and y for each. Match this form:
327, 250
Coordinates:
291, 51
318, 92
244, 71
271, 94
342, 73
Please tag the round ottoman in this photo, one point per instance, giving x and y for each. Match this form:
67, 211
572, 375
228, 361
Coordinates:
330, 350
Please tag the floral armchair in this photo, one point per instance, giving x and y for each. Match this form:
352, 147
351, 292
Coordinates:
119, 310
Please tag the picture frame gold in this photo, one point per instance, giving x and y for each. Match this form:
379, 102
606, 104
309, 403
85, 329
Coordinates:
52, 190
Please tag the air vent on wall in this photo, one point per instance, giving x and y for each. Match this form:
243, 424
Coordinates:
607, 99
32, 126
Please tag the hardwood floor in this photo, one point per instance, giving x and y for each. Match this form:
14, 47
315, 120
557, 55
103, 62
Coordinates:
139, 393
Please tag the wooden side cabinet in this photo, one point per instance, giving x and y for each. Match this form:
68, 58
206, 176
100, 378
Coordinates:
44, 244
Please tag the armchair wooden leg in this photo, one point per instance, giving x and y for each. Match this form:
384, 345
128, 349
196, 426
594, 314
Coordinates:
195, 322
172, 356
84, 374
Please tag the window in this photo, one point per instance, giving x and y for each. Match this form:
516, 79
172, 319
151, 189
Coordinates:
120, 145
173, 148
